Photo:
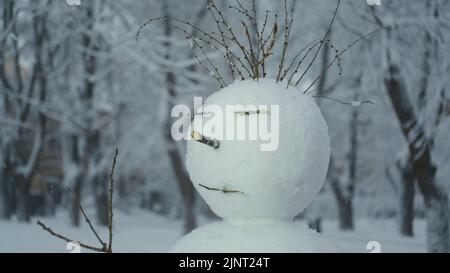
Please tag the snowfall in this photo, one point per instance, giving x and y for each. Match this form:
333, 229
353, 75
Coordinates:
143, 231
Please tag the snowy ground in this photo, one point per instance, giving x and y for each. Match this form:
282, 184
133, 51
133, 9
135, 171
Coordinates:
142, 231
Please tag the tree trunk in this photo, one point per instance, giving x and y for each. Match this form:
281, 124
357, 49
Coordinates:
436, 205
406, 194
77, 183
99, 182
92, 148
22, 182
437, 223
343, 193
345, 213
100, 188
404, 188
76, 201
344, 205
344, 196
187, 191
6, 188
3, 195
347, 206
188, 194
23, 208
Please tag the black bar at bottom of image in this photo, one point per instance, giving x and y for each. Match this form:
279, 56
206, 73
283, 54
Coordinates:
159, 262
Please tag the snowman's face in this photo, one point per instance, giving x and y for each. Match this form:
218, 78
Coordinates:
238, 179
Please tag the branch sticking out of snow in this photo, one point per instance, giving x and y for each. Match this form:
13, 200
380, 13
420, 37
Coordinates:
106, 248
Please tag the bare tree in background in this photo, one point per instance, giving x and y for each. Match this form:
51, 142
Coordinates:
87, 110
22, 91
187, 191
419, 141
343, 182
341, 175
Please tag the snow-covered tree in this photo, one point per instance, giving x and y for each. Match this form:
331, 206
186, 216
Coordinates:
413, 67
26, 59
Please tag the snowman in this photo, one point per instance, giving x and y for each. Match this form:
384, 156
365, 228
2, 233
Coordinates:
258, 192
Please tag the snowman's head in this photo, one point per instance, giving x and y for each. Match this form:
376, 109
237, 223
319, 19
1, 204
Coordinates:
237, 178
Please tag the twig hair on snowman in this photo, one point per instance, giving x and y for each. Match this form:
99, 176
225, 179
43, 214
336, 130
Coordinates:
257, 193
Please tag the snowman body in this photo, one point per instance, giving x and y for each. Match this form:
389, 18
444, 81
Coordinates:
258, 191
254, 236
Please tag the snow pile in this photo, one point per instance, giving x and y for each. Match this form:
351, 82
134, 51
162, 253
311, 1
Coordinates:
255, 236
141, 231
264, 184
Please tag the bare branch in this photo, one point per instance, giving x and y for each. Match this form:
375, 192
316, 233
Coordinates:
88, 221
336, 58
110, 200
287, 32
64, 238
352, 103
104, 248
321, 44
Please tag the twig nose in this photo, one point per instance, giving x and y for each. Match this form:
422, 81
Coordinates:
205, 140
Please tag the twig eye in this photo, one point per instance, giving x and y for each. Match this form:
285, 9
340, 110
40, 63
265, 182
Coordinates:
257, 112
204, 114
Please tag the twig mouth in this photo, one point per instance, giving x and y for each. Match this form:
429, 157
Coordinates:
223, 190
214, 143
